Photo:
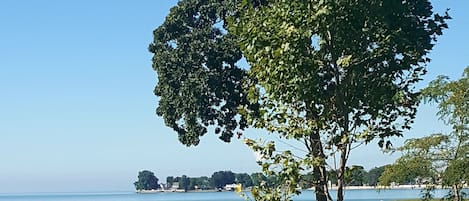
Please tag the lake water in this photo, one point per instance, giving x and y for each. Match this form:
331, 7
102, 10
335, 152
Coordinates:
350, 195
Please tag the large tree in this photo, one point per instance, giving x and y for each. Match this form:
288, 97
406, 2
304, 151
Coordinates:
221, 178
184, 183
328, 73
258, 178
204, 183
414, 166
372, 177
169, 181
334, 73
355, 175
244, 179
199, 83
442, 157
146, 181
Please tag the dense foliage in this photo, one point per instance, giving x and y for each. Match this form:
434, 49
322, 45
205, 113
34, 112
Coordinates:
244, 179
146, 181
199, 83
169, 181
332, 74
328, 73
184, 183
355, 176
373, 175
221, 178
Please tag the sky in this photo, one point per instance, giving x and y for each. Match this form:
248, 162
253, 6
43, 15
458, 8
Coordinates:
77, 110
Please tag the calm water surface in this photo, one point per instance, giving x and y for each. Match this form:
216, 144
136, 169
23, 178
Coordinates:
350, 195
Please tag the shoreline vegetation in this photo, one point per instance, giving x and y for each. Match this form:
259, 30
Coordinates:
394, 187
224, 181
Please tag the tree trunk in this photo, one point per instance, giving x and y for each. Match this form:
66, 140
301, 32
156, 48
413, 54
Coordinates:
340, 190
321, 189
319, 170
340, 176
456, 193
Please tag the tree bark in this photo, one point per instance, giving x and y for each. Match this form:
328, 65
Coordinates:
319, 170
340, 176
456, 193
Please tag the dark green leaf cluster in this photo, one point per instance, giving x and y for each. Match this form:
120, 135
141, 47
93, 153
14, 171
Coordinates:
456, 172
146, 181
184, 182
244, 179
189, 183
218, 180
373, 175
355, 176
221, 178
199, 83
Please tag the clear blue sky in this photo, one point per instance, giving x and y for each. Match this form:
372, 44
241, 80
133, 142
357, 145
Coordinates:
77, 104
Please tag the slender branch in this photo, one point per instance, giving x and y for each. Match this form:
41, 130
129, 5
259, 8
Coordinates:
292, 146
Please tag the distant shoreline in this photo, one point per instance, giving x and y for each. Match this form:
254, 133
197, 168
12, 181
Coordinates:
395, 187
383, 187
175, 191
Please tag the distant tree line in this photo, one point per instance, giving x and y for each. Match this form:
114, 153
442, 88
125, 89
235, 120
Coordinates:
148, 181
355, 176
440, 158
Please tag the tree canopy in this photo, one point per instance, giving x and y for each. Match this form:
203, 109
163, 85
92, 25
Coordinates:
184, 182
244, 179
355, 176
199, 83
328, 73
221, 178
146, 181
442, 157
373, 175
335, 73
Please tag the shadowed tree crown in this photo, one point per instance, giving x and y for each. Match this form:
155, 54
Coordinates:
199, 82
